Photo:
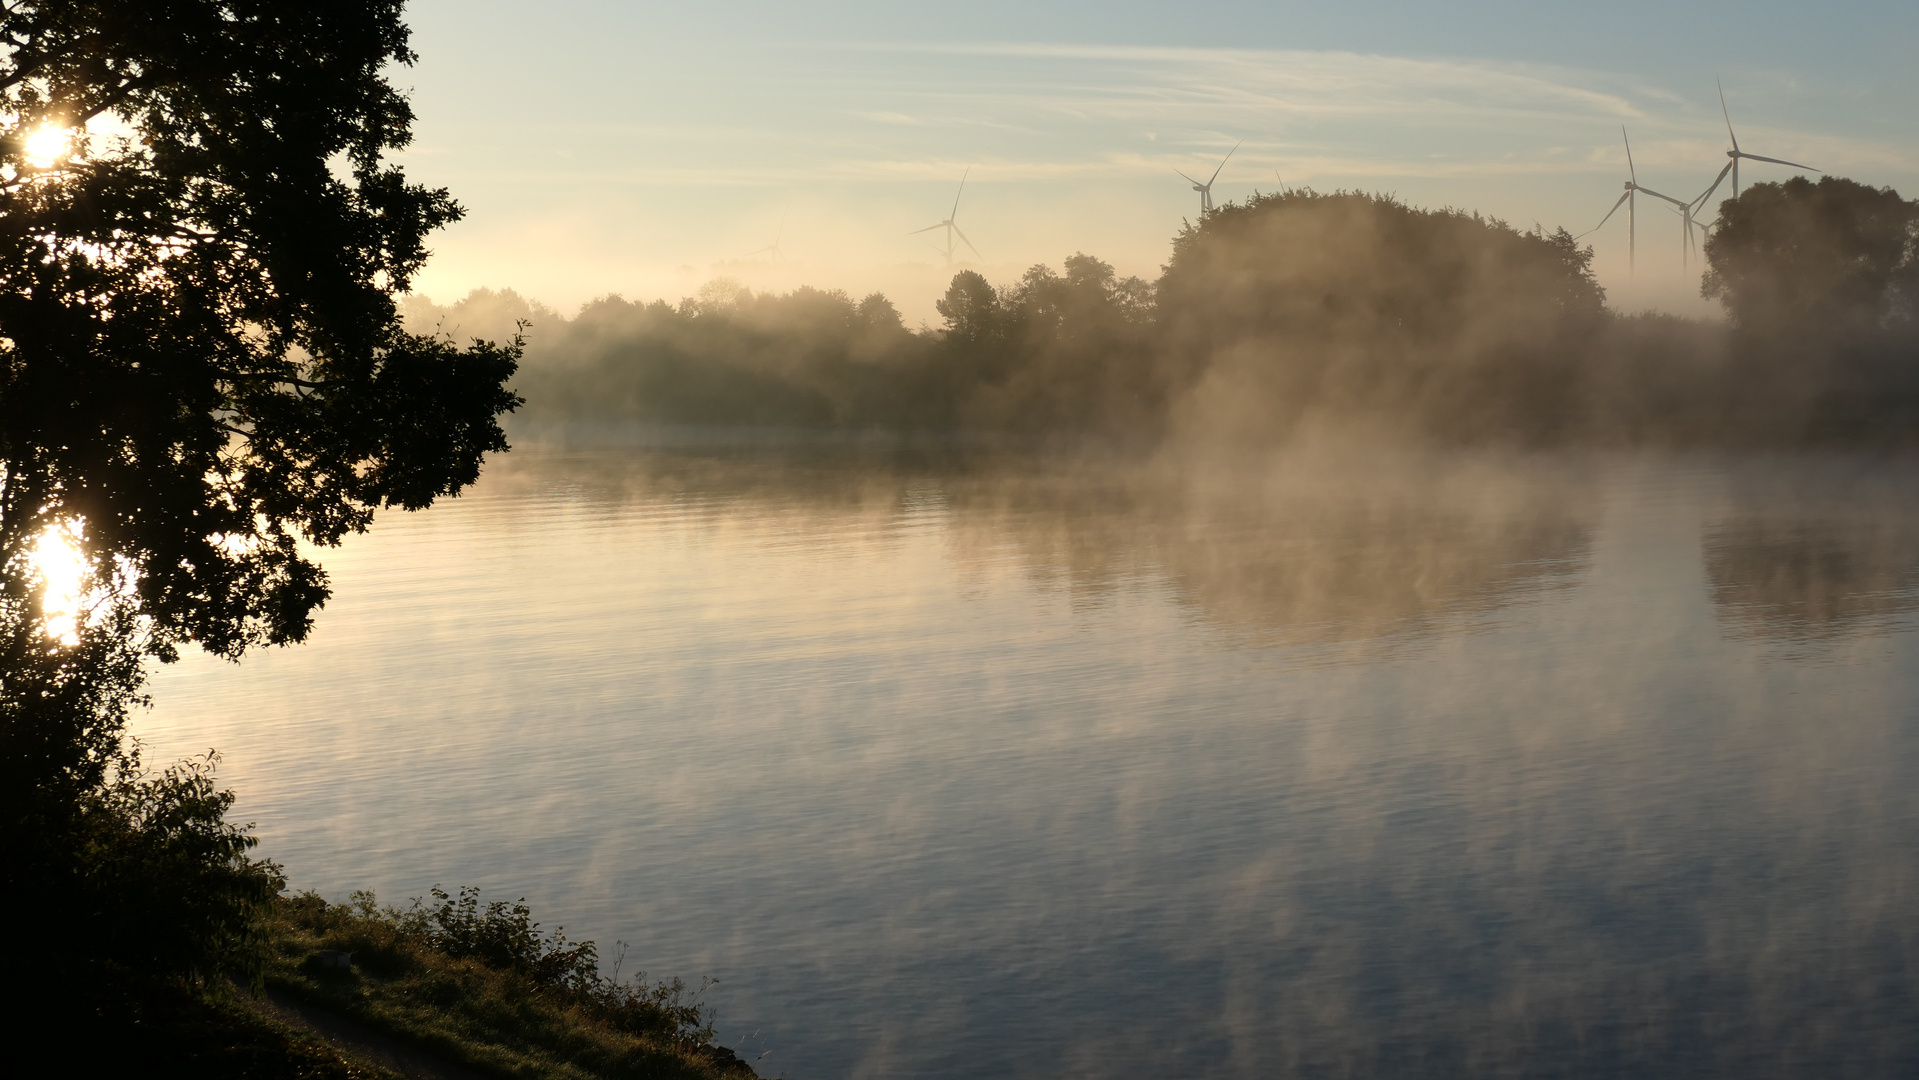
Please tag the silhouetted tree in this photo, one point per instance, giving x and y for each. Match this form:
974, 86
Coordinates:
201, 363
876, 314
1832, 259
970, 307
1357, 303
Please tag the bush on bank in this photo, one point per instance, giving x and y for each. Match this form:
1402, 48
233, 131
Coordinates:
481, 985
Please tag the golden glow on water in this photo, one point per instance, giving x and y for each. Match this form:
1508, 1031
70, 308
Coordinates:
61, 571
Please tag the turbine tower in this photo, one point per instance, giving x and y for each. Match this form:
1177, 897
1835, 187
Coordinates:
1686, 212
1630, 201
1632, 206
1735, 154
952, 229
1206, 189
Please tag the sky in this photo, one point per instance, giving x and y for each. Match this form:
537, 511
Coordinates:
644, 149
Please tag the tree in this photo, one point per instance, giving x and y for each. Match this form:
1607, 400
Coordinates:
1833, 259
1076, 355
970, 307
877, 315
201, 361
1358, 305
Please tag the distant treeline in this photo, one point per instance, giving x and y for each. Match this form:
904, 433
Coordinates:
1285, 311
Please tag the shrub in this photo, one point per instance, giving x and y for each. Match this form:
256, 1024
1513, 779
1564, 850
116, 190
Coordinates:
164, 879
480, 981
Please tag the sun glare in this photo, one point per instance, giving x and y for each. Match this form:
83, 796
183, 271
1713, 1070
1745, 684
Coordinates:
62, 571
47, 146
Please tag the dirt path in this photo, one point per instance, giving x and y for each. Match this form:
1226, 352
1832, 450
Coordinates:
360, 1042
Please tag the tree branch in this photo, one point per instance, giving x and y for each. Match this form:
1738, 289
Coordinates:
119, 95
266, 376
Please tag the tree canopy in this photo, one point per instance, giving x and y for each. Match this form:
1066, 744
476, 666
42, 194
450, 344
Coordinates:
970, 307
201, 362
1352, 302
1833, 259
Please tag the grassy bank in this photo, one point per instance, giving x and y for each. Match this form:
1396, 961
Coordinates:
109, 1021
479, 985
355, 991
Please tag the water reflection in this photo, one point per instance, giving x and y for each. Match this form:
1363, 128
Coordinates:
1811, 551
1294, 548
985, 766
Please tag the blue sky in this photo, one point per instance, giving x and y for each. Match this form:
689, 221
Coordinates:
645, 149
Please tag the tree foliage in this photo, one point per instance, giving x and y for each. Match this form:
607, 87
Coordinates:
201, 357
1302, 301
970, 308
1269, 310
1833, 259
1056, 352
201, 363
1071, 350
164, 881
809, 358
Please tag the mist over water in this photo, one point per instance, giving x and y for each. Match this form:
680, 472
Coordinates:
975, 763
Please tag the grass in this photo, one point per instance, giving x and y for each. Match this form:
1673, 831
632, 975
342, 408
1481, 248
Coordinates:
481, 986
106, 1020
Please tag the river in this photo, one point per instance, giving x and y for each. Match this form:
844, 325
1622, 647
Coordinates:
979, 764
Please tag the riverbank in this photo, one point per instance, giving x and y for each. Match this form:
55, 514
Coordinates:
479, 986
361, 992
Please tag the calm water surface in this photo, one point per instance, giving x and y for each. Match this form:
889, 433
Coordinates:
1317, 765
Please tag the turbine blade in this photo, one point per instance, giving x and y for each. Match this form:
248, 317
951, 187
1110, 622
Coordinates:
1717, 180
1186, 178
1629, 169
1776, 161
969, 243
1608, 217
961, 191
1724, 113
1224, 160
929, 228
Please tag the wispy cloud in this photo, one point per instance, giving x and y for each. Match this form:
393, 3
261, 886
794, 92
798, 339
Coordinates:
1298, 82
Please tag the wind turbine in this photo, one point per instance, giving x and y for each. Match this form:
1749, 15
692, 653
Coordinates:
1631, 203
774, 247
1206, 189
1686, 212
1735, 154
951, 228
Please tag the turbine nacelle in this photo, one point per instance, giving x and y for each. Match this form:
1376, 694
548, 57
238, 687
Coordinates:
1735, 154
1684, 208
951, 226
1206, 189
1630, 200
